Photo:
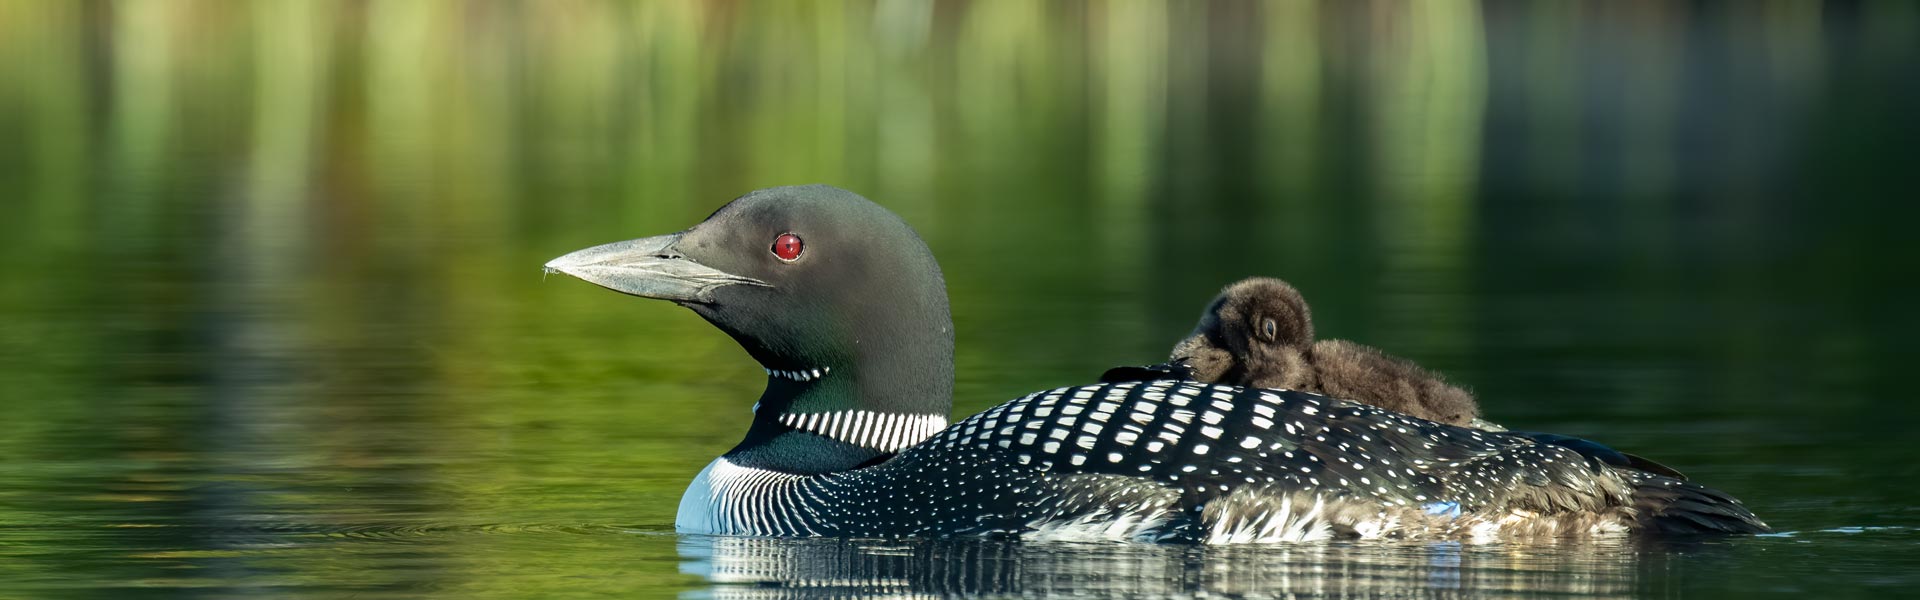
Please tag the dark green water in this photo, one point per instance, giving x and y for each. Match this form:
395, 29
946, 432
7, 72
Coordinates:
273, 320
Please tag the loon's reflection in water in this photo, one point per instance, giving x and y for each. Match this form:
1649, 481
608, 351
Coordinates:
738, 567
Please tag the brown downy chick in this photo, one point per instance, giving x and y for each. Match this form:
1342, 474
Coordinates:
1259, 332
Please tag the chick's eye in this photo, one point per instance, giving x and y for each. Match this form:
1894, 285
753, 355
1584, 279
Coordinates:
787, 246
1269, 329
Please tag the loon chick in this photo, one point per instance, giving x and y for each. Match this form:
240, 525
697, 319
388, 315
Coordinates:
1258, 332
820, 282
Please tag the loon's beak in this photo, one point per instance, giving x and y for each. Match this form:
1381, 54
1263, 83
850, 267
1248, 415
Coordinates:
648, 268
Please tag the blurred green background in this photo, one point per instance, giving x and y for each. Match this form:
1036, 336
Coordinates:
273, 318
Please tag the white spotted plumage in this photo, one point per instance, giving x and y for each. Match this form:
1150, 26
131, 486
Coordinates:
1251, 467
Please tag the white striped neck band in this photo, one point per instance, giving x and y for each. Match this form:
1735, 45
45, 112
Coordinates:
886, 432
799, 375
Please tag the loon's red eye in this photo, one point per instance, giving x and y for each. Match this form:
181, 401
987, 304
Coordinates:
787, 246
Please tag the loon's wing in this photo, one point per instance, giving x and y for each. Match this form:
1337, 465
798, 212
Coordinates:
1159, 372
1251, 448
1170, 460
1600, 452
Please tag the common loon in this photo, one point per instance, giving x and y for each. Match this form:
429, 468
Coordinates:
1259, 333
845, 307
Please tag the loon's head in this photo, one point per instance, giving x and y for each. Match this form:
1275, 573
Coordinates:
835, 296
1249, 324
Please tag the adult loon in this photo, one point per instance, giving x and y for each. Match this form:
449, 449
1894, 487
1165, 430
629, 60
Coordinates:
843, 305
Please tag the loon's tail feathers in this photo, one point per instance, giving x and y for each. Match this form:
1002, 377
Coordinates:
1668, 506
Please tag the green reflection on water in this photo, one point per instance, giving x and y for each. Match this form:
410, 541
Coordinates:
273, 318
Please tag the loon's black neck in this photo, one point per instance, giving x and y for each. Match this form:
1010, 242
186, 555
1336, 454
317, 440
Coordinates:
886, 388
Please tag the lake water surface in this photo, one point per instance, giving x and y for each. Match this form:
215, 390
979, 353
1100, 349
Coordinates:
273, 320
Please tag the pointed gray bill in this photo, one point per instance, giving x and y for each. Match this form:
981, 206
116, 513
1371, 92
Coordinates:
649, 268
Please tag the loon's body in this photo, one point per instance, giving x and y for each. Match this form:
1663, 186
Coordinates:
843, 305
1184, 461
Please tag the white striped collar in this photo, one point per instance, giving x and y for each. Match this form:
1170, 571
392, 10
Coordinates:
800, 374
886, 432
